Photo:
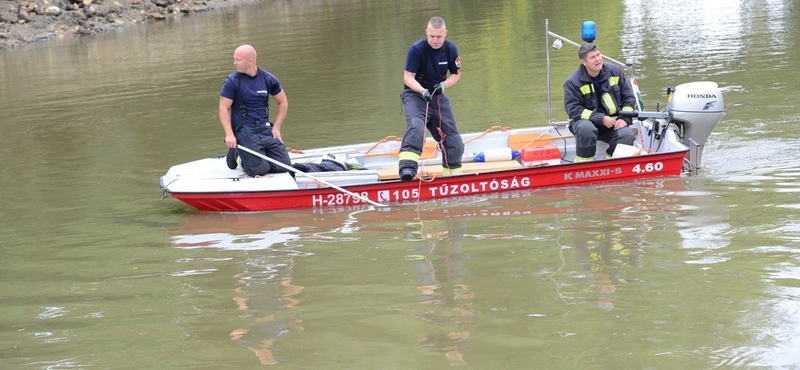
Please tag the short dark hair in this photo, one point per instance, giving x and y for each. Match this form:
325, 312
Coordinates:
586, 49
437, 23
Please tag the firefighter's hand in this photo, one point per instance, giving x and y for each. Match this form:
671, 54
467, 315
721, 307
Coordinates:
426, 95
230, 141
441, 87
609, 122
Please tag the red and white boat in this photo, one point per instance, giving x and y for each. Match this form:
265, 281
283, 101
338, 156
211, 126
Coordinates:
668, 143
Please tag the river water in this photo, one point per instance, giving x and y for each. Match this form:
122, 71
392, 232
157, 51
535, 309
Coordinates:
690, 272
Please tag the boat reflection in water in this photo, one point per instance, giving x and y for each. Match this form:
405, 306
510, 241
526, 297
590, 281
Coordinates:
606, 230
445, 299
604, 244
264, 294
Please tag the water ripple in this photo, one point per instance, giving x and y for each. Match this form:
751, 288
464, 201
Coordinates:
52, 312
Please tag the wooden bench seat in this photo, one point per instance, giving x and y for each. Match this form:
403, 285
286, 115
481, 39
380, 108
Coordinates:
467, 168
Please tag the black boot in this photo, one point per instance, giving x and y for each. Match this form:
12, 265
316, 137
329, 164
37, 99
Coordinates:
231, 158
407, 174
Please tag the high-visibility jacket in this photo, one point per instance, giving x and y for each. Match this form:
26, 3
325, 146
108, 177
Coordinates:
580, 100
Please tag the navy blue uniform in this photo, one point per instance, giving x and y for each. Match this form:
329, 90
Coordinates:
252, 129
440, 120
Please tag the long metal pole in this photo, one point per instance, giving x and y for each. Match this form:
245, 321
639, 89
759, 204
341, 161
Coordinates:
290, 168
547, 49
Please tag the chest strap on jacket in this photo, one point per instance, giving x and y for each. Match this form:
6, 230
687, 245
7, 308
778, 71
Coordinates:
240, 97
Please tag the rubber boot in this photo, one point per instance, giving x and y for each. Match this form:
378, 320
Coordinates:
230, 159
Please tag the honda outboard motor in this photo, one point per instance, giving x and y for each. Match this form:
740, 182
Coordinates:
694, 110
698, 107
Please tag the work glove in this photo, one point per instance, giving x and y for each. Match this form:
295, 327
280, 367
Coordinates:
426, 95
441, 87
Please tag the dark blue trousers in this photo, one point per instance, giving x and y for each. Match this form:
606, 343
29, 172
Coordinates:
258, 138
440, 116
587, 134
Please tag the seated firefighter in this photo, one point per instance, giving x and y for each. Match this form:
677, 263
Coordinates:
244, 115
593, 97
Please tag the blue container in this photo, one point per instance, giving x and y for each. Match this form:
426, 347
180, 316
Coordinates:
494, 155
589, 33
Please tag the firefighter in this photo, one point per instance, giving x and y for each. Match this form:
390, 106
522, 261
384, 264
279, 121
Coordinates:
593, 97
425, 77
244, 115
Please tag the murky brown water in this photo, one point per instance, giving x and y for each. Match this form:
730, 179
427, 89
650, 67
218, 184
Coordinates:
691, 273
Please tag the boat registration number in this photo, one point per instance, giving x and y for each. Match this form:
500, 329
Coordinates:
338, 199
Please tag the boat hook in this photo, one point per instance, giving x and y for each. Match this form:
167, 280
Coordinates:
290, 168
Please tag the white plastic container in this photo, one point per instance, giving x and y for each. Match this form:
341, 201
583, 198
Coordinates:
623, 150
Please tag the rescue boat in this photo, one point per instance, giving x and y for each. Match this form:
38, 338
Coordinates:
669, 142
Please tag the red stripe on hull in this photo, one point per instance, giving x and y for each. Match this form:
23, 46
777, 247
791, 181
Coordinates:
632, 168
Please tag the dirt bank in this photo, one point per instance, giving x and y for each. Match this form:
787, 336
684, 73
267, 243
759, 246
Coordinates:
23, 21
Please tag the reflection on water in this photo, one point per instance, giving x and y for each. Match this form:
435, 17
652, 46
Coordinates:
603, 244
258, 241
446, 300
707, 38
264, 293
554, 254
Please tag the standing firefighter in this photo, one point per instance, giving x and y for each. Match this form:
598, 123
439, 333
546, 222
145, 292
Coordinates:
425, 104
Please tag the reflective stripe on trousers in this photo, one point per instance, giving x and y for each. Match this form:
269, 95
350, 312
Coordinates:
413, 140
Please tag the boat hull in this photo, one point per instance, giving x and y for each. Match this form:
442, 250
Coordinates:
396, 192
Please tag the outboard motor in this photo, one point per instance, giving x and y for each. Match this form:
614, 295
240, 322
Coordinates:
694, 110
697, 107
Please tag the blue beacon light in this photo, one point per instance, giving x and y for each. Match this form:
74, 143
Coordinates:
589, 32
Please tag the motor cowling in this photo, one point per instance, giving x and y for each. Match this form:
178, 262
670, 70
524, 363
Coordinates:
698, 107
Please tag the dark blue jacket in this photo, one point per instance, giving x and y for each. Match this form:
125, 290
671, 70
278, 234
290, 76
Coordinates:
580, 100
439, 62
